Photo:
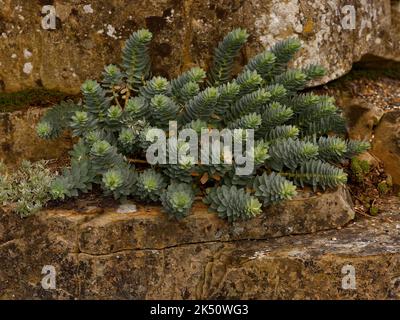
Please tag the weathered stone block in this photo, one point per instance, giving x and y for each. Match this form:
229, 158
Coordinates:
90, 35
386, 144
19, 141
144, 254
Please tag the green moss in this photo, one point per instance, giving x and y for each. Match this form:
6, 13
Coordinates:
30, 97
383, 187
389, 181
373, 211
364, 166
359, 168
366, 201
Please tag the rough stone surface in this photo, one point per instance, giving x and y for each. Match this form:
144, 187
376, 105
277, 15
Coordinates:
18, 138
386, 144
361, 117
296, 267
152, 229
128, 207
145, 256
91, 34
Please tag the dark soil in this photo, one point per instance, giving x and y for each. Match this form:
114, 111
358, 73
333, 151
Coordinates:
376, 82
377, 86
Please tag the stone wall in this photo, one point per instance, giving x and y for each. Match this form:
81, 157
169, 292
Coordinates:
19, 141
90, 34
103, 254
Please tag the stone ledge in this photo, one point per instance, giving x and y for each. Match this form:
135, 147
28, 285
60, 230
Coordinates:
294, 267
149, 228
297, 267
144, 254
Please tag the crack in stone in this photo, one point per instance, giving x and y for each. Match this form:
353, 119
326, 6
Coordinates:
166, 247
183, 244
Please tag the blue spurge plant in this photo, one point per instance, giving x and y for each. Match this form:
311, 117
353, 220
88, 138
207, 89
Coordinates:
299, 137
177, 200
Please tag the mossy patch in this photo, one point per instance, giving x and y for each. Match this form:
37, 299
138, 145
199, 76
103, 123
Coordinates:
359, 169
31, 97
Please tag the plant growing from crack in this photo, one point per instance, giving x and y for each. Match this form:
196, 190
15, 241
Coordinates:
295, 141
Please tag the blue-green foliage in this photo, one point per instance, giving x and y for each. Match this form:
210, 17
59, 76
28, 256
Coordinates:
224, 56
178, 199
56, 120
232, 203
136, 59
291, 129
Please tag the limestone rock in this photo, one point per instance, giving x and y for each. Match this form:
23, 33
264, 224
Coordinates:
145, 255
300, 267
19, 141
154, 230
310, 266
127, 207
361, 117
386, 144
89, 35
